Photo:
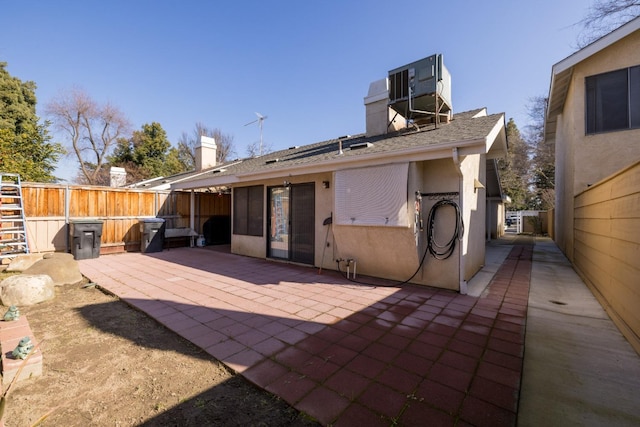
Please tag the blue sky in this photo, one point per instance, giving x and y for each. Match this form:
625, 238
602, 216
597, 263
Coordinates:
305, 65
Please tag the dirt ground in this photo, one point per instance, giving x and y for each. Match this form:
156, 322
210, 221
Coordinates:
106, 364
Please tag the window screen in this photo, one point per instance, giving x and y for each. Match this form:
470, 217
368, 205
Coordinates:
613, 100
248, 209
372, 196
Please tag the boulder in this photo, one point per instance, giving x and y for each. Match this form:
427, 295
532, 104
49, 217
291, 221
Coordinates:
61, 267
26, 289
57, 255
24, 261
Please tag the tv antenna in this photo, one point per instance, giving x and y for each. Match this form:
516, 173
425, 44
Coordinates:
260, 119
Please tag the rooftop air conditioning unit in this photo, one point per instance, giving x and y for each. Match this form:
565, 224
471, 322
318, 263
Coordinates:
415, 88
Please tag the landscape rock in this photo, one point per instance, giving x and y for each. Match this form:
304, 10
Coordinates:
61, 267
26, 289
57, 255
24, 261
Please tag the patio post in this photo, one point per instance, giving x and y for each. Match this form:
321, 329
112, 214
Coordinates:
192, 221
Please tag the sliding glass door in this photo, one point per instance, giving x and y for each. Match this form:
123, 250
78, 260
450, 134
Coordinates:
292, 222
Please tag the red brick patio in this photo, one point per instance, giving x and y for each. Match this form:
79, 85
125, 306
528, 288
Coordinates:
344, 353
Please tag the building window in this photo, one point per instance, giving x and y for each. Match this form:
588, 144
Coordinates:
372, 196
613, 100
248, 206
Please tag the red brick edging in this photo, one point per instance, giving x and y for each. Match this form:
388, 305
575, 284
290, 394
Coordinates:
11, 332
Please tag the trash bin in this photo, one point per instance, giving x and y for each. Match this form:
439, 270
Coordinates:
85, 236
152, 234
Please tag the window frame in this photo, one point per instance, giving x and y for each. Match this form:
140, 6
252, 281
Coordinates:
602, 101
248, 210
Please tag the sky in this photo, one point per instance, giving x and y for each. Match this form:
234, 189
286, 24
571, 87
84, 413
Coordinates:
304, 65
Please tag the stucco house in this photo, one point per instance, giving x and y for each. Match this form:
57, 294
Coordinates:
413, 199
593, 118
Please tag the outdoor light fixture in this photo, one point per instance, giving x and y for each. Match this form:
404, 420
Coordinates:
476, 185
325, 184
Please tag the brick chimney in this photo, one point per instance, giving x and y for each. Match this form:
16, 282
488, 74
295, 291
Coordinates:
206, 153
378, 112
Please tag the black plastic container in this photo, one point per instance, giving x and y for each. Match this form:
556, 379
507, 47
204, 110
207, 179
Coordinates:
85, 236
152, 235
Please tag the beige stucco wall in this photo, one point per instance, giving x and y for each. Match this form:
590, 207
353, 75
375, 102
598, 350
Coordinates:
388, 252
392, 252
256, 246
439, 176
474, 207
253, 246
582, 160
495, 221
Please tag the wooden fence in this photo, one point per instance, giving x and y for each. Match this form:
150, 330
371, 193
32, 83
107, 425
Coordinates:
607, 247
49, 208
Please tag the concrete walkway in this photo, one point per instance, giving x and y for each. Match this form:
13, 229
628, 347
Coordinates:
377, 354
578, 368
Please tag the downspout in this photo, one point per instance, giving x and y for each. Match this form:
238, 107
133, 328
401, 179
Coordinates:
461, 258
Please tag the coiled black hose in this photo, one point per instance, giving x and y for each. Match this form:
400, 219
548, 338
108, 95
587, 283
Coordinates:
443, 251
448, 247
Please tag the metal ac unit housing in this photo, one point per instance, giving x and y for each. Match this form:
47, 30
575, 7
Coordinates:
421, 81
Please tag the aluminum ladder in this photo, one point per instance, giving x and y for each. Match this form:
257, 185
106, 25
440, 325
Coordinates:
13, 227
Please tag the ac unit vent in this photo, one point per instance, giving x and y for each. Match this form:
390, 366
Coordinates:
422, 87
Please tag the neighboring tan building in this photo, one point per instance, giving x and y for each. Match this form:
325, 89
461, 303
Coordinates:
365, 200
593, 118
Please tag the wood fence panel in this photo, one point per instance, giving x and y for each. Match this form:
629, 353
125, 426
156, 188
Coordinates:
607, 246
42, 201
47, 234
120, 211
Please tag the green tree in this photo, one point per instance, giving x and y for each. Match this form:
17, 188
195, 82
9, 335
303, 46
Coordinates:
514, 169
147, 154
25, 142
543, 156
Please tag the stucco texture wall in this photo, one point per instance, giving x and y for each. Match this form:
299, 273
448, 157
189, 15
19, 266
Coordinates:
475, 207
394, 252
582, 160
256, 246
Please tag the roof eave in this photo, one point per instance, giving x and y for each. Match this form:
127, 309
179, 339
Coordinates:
475, 146
562, 72
496, 144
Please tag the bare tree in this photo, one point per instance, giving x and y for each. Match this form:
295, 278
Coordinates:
92, 128
604, 16
187, 145
253, 149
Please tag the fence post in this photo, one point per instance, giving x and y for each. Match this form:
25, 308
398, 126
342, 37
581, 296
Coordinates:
67, 202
